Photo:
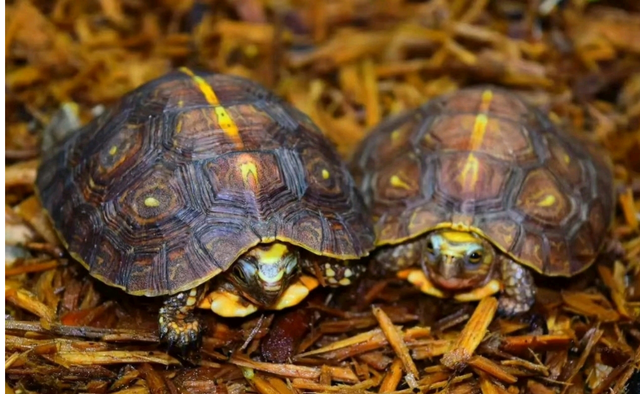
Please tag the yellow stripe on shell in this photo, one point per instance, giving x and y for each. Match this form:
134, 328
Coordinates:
479, 129
480, 124
485, 102
224, 119
468, 177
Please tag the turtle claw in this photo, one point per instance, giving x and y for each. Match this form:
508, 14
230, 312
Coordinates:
181, 332
178, 326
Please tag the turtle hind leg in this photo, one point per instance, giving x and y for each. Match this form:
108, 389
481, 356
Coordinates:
179, 327
519, 289
333, 272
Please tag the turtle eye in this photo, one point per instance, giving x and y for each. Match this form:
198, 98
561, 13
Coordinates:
239, 272
244, 270
475, 257
430, 247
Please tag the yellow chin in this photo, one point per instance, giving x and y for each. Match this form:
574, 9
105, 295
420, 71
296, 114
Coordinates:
420, 280
227, 304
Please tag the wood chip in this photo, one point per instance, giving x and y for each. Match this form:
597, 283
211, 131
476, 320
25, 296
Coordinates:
399, 346
472, 334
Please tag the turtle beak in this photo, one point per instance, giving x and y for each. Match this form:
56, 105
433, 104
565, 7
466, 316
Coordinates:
449, 267
271, 282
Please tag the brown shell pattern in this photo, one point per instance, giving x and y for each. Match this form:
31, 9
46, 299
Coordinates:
483, 158
185, 173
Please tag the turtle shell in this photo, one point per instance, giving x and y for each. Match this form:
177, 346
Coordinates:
186, 173
483, 160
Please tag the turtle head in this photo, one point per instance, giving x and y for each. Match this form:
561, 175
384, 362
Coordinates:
264, 272
456, 260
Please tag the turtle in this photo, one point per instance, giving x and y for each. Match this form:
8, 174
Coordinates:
475, 190
210, 191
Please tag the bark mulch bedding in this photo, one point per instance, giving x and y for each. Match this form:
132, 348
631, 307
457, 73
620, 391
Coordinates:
347, 64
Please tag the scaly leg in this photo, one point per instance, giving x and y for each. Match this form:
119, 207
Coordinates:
178, 325
519, 289
333, 272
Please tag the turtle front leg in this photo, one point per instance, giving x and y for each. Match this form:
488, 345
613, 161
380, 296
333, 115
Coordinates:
178, 324
519, 289
333, 272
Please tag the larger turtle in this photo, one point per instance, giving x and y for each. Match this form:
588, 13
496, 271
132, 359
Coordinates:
475, 188
198, 181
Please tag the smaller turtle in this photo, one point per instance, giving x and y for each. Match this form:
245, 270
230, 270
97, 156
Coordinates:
475, 188
209, 191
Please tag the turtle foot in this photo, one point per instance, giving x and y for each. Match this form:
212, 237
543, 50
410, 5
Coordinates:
179, 327
509, 306
338, 273
519, 289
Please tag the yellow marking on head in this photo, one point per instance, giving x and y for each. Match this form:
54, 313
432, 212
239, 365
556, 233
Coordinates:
249, 169
179, 126
567, 158
547, 201
273, 254
468, 177
224, 120
458, 237
397, 182
455, 243
113, 150
325, 174
180, 103
151, 202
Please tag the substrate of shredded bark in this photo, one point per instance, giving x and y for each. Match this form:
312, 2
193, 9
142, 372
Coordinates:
347, 64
